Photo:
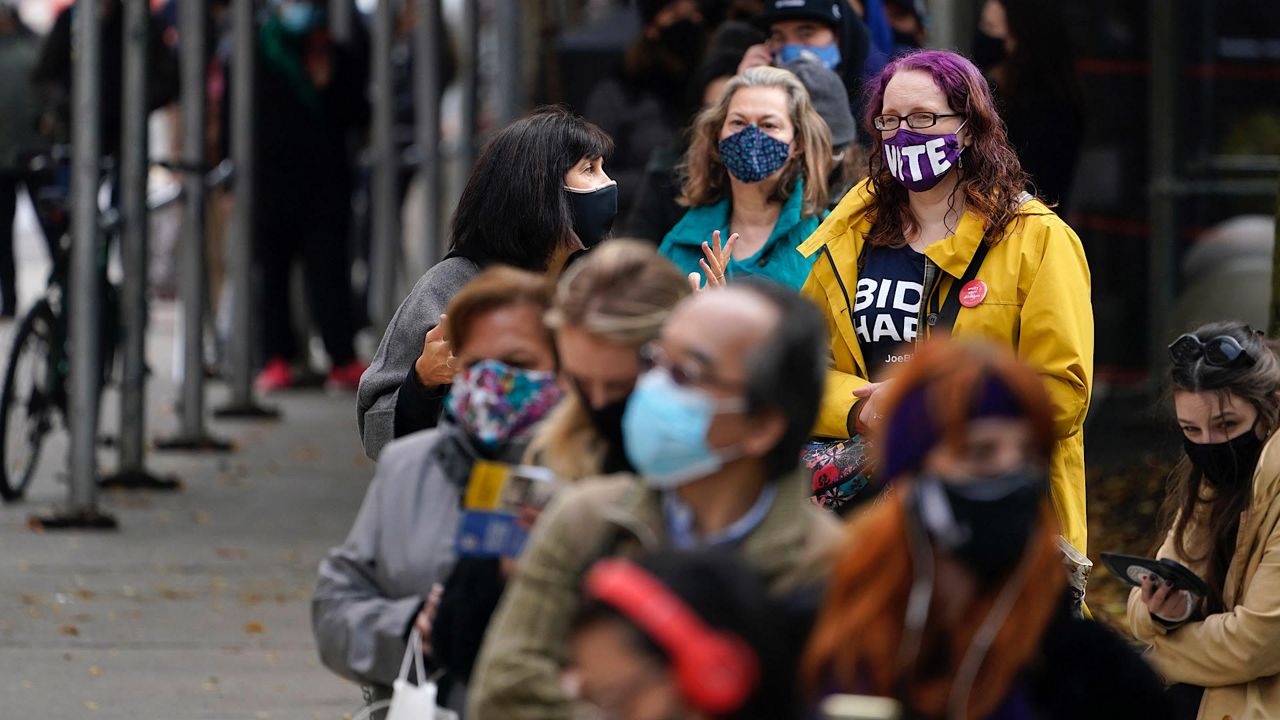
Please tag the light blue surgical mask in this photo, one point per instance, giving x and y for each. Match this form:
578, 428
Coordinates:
297, 17
664, 431
828, 55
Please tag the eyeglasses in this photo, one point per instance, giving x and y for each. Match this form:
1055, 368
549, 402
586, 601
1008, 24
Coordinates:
689, 373
1221, 351
915, 121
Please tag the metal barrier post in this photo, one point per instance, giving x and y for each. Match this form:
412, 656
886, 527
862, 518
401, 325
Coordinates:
240, 240
134, 152
1162, 250
82, 511
426, 51
383, 295
340, 20
470, 67
191, 434
510, 76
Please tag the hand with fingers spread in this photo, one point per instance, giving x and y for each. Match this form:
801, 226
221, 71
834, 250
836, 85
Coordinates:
427, 616
435, 366
715, 264
1166, 603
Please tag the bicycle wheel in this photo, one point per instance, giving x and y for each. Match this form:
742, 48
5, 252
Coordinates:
28, 404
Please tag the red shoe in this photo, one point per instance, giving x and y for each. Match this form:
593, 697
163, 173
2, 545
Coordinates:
346, 377
275, 376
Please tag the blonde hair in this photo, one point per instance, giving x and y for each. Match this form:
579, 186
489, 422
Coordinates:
621, 293
706, 181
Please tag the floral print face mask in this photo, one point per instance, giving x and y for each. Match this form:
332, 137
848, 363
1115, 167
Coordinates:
494, 402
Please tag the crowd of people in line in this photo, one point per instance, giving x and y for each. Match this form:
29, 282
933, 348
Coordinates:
820, 437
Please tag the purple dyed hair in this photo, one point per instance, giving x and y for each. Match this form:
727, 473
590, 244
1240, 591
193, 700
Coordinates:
991, 177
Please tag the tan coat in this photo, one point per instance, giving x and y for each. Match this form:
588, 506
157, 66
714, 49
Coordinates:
1235, 655
525, 647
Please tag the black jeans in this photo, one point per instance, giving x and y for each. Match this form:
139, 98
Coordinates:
306, 222
9, 185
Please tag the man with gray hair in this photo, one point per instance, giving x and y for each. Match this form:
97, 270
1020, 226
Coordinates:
715, 428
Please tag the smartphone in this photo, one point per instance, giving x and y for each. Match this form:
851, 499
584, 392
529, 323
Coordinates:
861, 707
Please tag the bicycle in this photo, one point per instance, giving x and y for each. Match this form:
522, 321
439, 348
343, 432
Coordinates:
34, 397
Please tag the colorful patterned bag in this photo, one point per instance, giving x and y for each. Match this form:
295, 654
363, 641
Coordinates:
839, 470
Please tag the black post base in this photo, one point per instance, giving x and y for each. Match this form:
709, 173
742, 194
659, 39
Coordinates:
198, 443
139, 479
246, 411
79, 520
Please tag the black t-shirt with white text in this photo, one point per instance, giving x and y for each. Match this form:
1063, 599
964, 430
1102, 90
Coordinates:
887, 305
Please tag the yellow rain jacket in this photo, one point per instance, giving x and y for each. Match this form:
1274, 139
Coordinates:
1037, 301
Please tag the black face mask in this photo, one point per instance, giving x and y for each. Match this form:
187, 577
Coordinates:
985, 523
683, 39
1226, 464
607, 422
988, 51
593, 212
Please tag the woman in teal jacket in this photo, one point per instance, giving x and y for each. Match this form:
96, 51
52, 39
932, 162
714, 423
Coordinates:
756, 171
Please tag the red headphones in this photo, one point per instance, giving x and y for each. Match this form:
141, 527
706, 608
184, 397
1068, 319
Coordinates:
716, 671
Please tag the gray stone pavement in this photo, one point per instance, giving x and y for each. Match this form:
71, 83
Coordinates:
198, 607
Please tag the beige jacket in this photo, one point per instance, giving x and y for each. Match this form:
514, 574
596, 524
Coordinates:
1235, 655
518, 670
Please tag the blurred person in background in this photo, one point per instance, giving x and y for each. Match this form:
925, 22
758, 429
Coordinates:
52, 74
1221, 519
907, 20
655, 210
684, 636
538, 194
383, 581
642, 104
756, 169
606, 308
941, 239
310, 94
19, 50
714, 430
826, 29
951, 596
1024, 48
831, 102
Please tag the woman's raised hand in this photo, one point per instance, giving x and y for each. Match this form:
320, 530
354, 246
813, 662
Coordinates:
715, 263
435, 365
872, 413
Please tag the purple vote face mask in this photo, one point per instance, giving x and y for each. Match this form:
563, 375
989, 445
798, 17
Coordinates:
920, 161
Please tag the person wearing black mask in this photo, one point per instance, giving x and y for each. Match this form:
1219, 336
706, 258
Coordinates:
1025, 52
605, 309
952, 597
1222, 520
642, 104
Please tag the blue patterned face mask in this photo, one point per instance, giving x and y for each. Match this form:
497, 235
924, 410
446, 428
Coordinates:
751, 156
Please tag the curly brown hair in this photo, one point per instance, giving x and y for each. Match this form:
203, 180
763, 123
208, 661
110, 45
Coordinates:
991, 176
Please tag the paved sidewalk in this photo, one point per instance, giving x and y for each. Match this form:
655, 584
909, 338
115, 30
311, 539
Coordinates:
199, 606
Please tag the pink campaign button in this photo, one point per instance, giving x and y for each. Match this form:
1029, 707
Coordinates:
973, 293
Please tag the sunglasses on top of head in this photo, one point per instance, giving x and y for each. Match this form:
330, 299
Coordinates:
1222, 351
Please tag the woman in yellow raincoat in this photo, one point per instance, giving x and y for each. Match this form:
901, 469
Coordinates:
942, 238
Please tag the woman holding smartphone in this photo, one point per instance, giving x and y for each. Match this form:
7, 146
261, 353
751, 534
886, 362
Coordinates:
1222, 520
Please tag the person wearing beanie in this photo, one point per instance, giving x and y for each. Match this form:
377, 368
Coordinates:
828, 29
951, 596
831, 100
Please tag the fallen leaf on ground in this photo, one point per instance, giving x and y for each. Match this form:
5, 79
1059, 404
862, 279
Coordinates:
254, 628
230, 553
95, 671
69, 631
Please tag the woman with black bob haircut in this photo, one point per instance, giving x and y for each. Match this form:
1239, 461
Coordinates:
1221, 518
537, 195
